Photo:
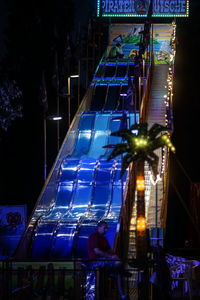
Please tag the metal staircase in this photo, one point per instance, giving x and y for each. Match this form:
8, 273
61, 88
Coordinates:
157, 114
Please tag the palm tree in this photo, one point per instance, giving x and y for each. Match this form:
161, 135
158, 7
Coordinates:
138, 145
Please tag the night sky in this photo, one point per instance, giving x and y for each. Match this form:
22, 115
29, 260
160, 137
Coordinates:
27, 36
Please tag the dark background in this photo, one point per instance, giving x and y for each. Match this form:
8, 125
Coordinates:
31, 32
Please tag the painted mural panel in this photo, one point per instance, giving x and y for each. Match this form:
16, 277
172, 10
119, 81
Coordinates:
128, 36
162, 34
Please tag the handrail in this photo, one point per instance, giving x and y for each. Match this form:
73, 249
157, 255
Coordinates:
145, 97
18, 253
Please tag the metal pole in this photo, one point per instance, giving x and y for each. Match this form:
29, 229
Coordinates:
143, 63
156, 208
79, 74
152, 42
57, 104
68, 101
139, 91
86, 76
58, 124
135, 103
45, 148
122, 182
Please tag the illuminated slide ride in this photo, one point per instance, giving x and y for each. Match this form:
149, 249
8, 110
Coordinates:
83, 187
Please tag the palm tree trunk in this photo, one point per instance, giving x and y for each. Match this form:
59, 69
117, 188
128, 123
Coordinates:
141, 237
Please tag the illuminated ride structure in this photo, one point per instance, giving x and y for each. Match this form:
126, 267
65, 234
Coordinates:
83, 187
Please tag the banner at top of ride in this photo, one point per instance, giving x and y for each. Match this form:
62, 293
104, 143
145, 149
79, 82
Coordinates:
139, 8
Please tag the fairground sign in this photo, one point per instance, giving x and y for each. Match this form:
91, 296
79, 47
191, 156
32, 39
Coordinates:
139, 8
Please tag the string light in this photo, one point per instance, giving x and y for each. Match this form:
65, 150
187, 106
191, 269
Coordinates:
168, 101
158, 178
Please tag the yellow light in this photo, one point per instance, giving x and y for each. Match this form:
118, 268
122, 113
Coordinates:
140, 142
140, 183
141, 224
164, 137
173, 149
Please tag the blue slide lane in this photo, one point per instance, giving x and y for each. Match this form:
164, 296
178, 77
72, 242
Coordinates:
89, 189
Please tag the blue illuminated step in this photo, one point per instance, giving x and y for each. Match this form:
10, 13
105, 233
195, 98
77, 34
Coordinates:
121, 71
100, 136
43, 240
109, 71
99, 98
63, 243
84, 135
113, 97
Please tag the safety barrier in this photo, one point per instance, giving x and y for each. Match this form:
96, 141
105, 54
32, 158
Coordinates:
57, 280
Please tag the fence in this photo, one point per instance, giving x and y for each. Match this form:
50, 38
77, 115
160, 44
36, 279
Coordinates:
58, 280
73, 279
41, 280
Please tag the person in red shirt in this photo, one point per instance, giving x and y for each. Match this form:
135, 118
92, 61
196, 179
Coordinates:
102, 256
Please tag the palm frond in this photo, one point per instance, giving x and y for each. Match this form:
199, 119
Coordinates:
119, 149
127, 159
156, 129
140, 146
130, 158
143, 129
162, 140
124, 133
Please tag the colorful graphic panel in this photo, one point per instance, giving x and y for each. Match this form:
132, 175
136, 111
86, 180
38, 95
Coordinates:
162, 34
128, 36
12, 225
139, 8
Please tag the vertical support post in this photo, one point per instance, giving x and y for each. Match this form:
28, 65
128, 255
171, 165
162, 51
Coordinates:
58, 124
139, 92
143, 65
152, 42
97, 284
122, 183
141, 242
79, 74
68, 101
77, 280
135, 104
57, 104
45, 147
86, 75
8, 280
93, 52
156, 215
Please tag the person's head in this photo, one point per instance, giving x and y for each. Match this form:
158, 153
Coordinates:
102, 227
